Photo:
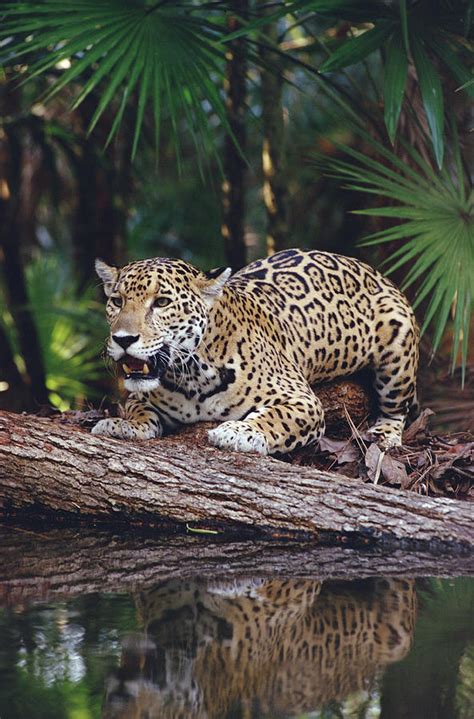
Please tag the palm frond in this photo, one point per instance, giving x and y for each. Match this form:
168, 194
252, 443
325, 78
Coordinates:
427, 35
153, 56
435, 214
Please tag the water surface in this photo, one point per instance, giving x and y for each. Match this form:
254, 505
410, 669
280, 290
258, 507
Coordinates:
243, 649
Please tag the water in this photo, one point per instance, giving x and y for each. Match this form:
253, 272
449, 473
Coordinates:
225, 648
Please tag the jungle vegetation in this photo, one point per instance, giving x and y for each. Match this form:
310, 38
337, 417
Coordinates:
217, 132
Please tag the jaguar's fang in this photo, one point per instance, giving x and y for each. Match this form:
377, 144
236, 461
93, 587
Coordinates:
136, 369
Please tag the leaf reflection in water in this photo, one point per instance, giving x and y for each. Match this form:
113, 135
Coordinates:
259, 648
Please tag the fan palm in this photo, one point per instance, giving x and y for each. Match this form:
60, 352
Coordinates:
171, 55
134, 51
432, 215
430, 33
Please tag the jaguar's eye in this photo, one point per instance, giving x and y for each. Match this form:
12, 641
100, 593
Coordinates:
161, 302
117, 301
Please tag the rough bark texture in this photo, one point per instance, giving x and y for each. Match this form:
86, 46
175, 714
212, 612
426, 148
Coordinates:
64, 472
64, 563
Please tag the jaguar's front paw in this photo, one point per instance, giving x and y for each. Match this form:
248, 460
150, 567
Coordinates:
124, 429
238, 436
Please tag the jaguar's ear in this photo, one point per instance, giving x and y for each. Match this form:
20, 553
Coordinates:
107, 274
212, 287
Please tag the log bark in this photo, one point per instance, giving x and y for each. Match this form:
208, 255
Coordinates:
64, 473
64, 563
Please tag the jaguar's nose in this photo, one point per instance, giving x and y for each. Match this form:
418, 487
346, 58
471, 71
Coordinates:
125, 340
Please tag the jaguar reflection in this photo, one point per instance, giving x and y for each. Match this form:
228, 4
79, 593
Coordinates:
258, 648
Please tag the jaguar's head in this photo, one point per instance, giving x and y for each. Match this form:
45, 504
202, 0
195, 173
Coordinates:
158, 311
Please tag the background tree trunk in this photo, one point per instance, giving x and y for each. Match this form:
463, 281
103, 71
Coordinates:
11, 208
17, 396
65, 473
103, 185
233, 187
275, 181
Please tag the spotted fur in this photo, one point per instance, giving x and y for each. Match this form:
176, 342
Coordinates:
283, 647
244, 350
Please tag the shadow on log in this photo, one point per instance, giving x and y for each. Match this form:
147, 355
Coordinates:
63, 473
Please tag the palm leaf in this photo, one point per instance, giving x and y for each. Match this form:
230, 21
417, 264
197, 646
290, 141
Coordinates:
358, 48
441, 46
396, 70
432, 95
404, 24
352, 10
164, 55
435, 227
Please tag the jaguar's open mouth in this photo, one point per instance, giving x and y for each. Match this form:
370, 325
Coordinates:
151, 369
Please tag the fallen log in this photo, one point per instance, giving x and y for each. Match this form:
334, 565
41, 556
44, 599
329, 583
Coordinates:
65, 563
64, 473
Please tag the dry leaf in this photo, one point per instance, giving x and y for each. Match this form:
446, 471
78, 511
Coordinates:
394, 471
373, 462
343, 449
417, 427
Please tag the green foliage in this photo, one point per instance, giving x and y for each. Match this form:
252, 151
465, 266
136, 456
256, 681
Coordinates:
465, 687
432, 94
396, 71
149, 55
32, 697
71, 331
434, 33
436, 210
55, 658
170, 55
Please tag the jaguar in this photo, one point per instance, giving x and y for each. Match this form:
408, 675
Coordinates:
244, 349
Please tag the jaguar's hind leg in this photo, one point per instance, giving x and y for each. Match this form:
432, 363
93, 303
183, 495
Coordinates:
395, 385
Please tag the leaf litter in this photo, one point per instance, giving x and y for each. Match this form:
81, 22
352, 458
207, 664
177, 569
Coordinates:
430, 464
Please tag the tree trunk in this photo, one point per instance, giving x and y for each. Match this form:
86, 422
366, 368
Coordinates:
16, 395
11, 165
64, 473
103, 185
64, 563
275, 181
233, 187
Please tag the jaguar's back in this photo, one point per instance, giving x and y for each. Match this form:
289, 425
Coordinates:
334, 314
